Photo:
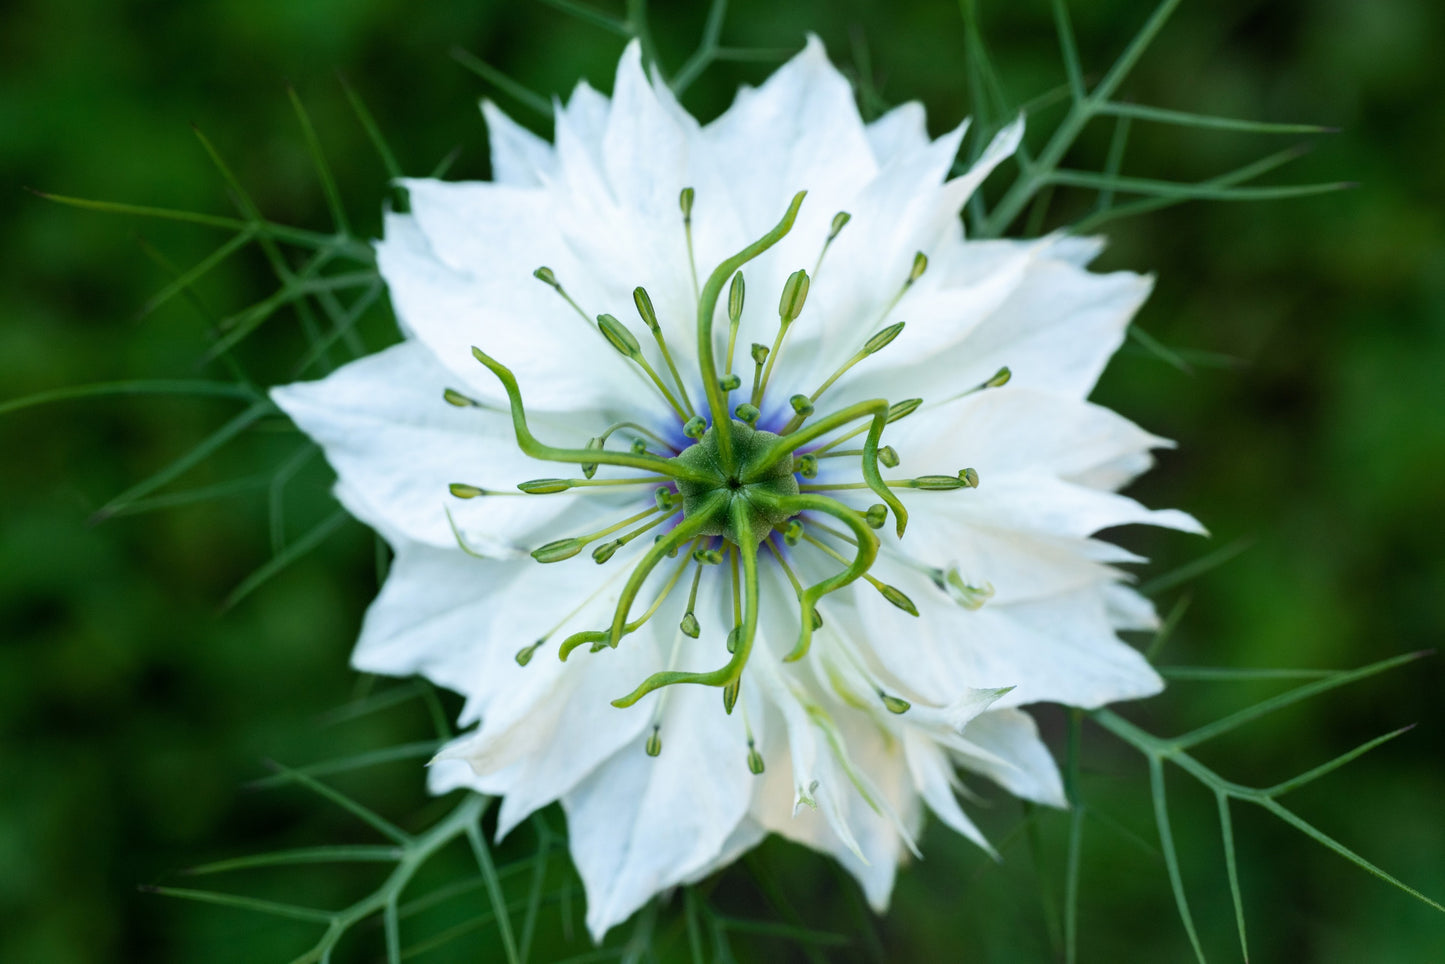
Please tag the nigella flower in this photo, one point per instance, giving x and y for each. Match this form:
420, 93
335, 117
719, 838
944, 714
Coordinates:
735, 490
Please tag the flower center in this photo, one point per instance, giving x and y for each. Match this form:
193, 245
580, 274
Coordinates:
760, 485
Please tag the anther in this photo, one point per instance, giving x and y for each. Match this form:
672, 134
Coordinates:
881, 340
643, 301
524, 655
935, 483
903, 409
694, 427
546, 276
684, 201
760, 353
876, 515
920, 265
968, 596
730, 695
730, 382
558, 550
897, 598
755, 760
708, 557
735, 635
969, 477
806, 465
736, 293
665, 498
606, 551
619, 337
589, 469
793, 532
544, 486
454, 397
689, 625
802, 405
645, 310
654, 742
888, 456
463, 491
747, 413
1000, 378
839, 221
795, 294
894, 704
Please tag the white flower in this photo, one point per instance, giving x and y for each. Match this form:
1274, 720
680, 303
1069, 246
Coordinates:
997, 595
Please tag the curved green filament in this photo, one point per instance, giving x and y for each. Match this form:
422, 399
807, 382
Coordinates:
862, 562
530, 445
688, 529
732, 671
878, 409
707, 306
597, 638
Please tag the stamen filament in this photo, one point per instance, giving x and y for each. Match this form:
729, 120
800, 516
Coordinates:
684, 201
689, 528
599, 639
619, 426
737, 291
707, 305
874, 345
839, 220
896, 411
530, 445
553, 486
729, 675
649, 317
559, 549
891, 594
790, 306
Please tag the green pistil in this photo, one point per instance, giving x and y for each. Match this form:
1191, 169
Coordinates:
707, 306
761, 470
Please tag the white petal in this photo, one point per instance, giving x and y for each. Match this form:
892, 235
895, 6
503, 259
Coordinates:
1059, 649
904, 128
933, 776
519, 157
640, 824
1012, 735
396, 446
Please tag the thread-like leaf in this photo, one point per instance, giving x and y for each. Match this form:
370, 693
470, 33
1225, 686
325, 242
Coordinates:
519, 92
1171, 859
357, 853
1193, 570
313, 538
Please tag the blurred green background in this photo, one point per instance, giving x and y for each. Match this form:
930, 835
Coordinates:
132, 712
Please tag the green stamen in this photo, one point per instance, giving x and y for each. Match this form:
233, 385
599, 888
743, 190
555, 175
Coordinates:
643, 302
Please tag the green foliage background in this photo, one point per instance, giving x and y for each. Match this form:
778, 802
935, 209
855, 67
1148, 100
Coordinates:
131, 713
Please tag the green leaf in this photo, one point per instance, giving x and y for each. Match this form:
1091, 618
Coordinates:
313, 538
318, 158
358, 853
522, 94
1164, 116
240, 902
1309, 776
186, 462
373, 132
203, 267
371, 818
483, 855
193, 387
590, 15
359, 761
1171, 859
1226, 833
1193, 570
1202, 190
1238, 674
1265, 707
